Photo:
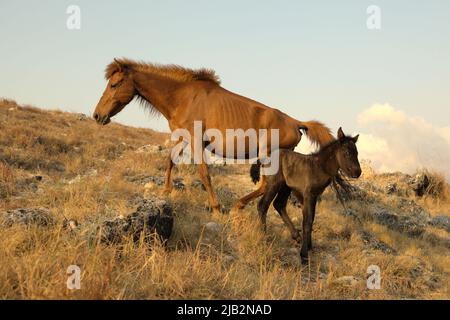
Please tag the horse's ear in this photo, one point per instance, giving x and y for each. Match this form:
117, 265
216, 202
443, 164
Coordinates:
304, 128
340, 134
119, 65
355, 138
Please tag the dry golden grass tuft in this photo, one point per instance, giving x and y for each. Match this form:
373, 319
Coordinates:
438, 187
7, 181
78, 170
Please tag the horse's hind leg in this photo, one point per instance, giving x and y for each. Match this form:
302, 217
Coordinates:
253, 195
280, 204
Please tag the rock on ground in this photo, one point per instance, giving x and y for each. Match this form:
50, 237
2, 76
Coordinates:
212, 231
153, 216
149, 148
213, 227
441, 221
27, 216
347, 280
372, 242
226, 197
155, 181
412, 225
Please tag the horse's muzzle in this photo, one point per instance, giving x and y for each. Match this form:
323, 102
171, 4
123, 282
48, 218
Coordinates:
102, 120
356, 173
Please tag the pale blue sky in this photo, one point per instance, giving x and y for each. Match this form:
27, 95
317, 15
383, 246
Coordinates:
311, 59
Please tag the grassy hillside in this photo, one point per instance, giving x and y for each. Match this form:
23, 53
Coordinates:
78, 170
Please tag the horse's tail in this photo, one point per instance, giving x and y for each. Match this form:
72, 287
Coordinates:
317, 132
255, 172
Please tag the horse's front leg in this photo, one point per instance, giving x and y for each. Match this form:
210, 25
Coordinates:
206, 180
168, 183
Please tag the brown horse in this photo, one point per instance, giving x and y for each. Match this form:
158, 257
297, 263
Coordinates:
307, 176
184, 95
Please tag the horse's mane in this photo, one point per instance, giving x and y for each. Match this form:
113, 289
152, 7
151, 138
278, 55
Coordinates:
172, 71
331, 145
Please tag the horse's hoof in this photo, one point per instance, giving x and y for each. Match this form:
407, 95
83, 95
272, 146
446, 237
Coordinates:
238, 206
235, 209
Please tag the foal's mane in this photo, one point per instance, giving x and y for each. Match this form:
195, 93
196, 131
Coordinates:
172, 71
332, 145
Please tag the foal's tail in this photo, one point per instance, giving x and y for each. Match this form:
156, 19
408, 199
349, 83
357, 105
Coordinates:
255, 172
317, 132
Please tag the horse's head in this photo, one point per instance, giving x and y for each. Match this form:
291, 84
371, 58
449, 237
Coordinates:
118, 93
347, 155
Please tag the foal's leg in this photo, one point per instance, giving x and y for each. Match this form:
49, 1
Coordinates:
253, 195
280, 205
264, 204
313, 214
206, 180
308, 209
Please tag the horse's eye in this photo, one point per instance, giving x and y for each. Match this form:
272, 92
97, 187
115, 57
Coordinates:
115, 85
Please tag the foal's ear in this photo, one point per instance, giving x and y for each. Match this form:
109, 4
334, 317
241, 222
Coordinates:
355, 138
340, 134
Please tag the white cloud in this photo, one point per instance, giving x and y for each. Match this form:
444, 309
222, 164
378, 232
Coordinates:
395, 141
370, 145
381, 112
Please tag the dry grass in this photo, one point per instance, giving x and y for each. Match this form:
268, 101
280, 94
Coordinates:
438, 187
86, 172
7, 181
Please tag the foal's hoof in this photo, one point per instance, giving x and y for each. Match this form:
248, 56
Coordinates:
304, 260
297, 237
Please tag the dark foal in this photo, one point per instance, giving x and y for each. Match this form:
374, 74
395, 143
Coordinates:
306, 176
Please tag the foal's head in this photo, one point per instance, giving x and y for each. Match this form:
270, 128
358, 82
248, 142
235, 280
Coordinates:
118, 93
347, 155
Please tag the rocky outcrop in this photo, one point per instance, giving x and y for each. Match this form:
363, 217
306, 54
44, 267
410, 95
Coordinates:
409, 224
153, 217
373, 243
441, 221
27, 216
